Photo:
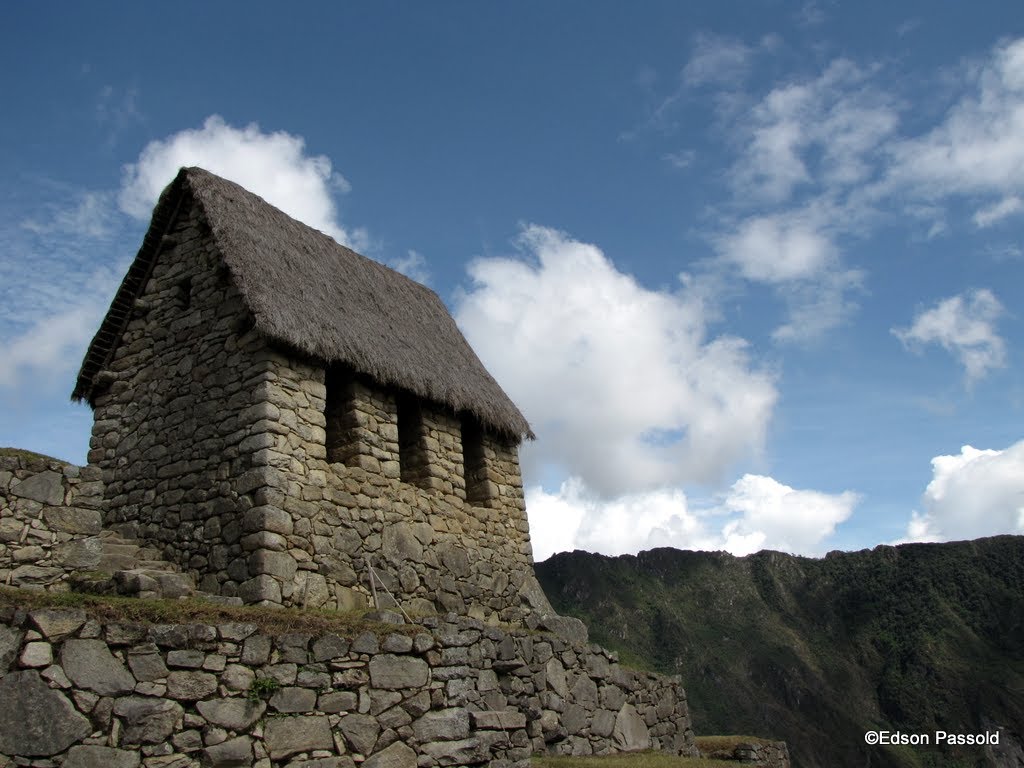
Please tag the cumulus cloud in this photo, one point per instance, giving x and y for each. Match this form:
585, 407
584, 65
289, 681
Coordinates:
826, 132
273, 165
964, 325
621, 383
757, 512
971, 494
777, 249
978, 149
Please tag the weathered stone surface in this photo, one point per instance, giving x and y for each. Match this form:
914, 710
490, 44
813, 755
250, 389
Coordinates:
37, 654
235, 714
90, 665
393, 672
603, 723
10, 641
287, 736
35, 720
190, 686
329, 647
147, 720
84, 553
91, 756
631, 732
452, 723
338, 701
555, 674
344, 761
360, 731
73, 520
461, 752
292, 699
234, 753
397, 755
147, 666
508, 720
45, 487
56, 624
570, 629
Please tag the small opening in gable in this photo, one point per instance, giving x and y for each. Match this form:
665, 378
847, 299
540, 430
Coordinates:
184, 296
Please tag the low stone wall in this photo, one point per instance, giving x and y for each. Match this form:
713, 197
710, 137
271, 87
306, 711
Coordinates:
449, 691
757, 754
49, 516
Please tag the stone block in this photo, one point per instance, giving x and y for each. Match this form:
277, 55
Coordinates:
442, 724
506, 720
397, 755
36, 654
190, 686
395, 672
36, 721
287, 736
291, 699
73, 520
57, 623
630, 731
233, 753
91, 756
260, 588
90, 665
46, 487
147, 667
361, 732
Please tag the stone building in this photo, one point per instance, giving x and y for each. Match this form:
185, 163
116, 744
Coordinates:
281, 415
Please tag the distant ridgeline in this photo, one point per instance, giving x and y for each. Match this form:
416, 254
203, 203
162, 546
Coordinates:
917, 638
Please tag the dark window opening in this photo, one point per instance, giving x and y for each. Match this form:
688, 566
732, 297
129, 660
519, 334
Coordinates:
412, 452
184, 297
342, 438
474, 461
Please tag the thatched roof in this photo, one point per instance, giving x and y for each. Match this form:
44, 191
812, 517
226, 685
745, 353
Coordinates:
320, 298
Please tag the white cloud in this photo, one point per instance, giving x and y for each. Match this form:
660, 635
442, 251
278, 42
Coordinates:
974, 493
716, 60
49, 346
413, 265
273, 165
776, 516
619, 382
1008, 206
979, 148
777, 249
756, 513
965, 327
825, 132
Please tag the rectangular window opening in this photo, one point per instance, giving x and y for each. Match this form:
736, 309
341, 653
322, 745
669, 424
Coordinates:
412, 452
342, 441
479, 488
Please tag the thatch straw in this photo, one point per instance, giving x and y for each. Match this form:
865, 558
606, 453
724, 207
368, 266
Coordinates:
322, 299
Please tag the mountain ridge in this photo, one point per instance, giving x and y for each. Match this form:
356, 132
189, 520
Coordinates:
816, 651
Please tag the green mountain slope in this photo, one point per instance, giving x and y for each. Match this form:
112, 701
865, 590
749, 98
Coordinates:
915, 638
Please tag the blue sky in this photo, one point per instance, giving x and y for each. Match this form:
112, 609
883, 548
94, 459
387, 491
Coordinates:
750, 269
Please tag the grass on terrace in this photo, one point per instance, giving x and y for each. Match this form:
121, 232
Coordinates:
635, 760
272, 621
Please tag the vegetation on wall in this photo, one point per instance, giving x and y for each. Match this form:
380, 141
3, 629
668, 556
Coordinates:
915, 638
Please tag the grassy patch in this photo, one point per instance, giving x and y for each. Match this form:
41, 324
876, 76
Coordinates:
21, 453
632, 760
708, 744
271, 621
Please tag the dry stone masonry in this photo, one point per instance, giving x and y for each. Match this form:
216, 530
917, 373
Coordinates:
447, 691
270, 475
49, 521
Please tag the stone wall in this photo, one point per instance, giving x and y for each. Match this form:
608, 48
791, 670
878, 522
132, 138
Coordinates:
213, 446
449, 691
49, 517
